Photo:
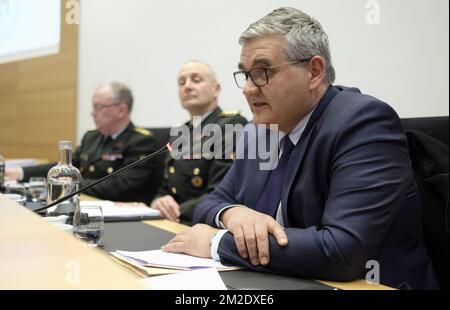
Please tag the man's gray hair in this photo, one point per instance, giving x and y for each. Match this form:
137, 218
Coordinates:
304, 35
121, 93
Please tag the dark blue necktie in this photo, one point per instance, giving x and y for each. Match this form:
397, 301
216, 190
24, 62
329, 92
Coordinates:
270, 199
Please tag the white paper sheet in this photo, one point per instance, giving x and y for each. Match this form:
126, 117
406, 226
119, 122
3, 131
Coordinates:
158, 258
24, 162
201, 279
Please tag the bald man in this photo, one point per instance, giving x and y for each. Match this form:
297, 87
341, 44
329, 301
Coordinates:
187, 180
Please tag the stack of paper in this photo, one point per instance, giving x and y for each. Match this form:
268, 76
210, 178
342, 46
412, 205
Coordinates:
157, 262
113, 213
202, 279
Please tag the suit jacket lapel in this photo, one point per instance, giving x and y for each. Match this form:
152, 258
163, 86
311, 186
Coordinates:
295, 162
257, 181
300, 149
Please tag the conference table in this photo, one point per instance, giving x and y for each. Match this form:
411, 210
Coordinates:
36, 255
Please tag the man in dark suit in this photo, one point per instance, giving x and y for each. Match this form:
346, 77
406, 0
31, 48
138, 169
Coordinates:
114, 144
187, 180
343, 196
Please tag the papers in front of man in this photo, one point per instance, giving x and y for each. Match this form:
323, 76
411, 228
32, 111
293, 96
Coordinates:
112, 212
23, 162
200, 279
157, 262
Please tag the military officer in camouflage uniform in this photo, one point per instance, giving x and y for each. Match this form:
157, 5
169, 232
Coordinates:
189, 179
114, 144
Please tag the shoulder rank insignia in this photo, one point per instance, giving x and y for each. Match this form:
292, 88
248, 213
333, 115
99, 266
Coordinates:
229, 113
143, 131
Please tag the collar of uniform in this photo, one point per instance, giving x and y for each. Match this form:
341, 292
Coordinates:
116, 134
297, 132
195, 122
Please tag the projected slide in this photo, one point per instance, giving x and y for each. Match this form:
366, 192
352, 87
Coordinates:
29, 29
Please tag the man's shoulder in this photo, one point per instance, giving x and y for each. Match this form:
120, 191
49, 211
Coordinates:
143, 132
91, 134
351, 101
232, 117
141, 136
355, 95
352, 111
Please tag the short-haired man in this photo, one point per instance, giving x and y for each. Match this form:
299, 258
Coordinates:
343, 193
115, 143
188, 180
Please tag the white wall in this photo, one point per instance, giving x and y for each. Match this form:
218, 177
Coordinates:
403, 60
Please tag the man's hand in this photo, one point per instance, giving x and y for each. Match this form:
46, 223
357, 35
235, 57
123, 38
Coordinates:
13, 174
168, 207
195, 241
250, 230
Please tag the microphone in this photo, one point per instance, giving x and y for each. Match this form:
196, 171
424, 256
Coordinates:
162, 150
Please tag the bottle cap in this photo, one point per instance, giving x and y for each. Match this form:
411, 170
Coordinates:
65, 145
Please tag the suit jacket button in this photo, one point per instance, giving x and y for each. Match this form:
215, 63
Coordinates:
91, 168
174, 190
196, 171
109, 170
197, 181
172, 169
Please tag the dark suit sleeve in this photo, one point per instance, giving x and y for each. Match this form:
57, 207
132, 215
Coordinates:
163, 190
369, 177
36, 171
223, 195
217, 171
133, 180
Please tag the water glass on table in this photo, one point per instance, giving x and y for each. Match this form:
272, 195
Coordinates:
37, 186
88, 224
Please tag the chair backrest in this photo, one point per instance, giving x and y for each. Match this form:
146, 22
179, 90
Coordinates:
436, 127
428, 150
161, 135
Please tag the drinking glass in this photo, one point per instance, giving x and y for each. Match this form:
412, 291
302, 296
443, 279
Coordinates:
88, 224
37, 186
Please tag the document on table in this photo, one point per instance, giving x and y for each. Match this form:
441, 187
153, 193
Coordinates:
23, 162
201, 279
112, 213
158, 258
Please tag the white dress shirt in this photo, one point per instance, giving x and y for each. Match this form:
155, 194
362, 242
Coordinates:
294, 135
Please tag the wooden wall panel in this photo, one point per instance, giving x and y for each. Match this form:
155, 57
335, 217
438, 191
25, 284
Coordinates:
38, 100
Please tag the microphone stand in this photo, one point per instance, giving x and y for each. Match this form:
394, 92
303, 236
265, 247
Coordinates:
165, 148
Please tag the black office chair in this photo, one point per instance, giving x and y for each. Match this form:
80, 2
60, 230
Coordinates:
161, 135
428, 149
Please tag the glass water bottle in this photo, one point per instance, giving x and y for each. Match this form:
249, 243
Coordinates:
62, 180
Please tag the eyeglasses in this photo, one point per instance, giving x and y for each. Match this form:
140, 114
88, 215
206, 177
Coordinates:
99, 107
259, 76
